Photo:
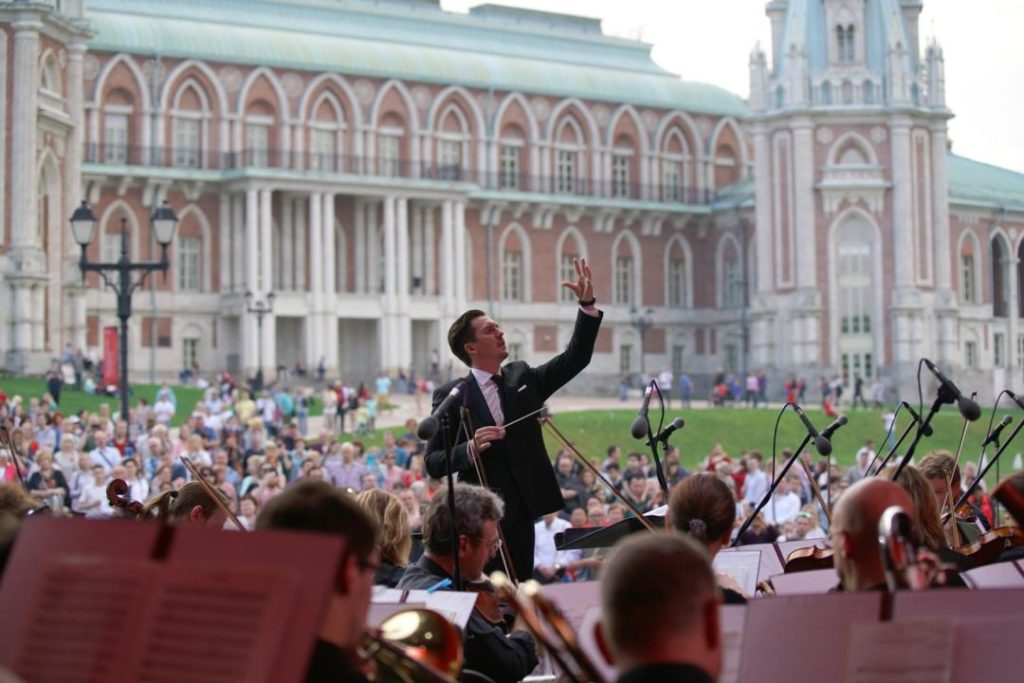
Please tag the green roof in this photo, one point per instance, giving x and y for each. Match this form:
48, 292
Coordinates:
492, 47
973, 181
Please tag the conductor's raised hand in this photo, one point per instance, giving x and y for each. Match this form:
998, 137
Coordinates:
582, 288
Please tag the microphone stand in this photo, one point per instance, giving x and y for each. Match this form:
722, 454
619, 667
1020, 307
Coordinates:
658, 469
995, 458
944, 395
891, 452
771, 490
449, 450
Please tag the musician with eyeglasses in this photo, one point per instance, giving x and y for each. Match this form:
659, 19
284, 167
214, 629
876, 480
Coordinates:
504, 658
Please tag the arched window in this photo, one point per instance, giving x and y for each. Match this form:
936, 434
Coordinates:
625, 274
622, 160
675, 168
117, 117
1000, 259
676, 277
968, 273
568, 148
326, 135
512, 274
510, 158
389, 145
49, 76
855, 285
259, 120
846, 52
452, 143
188, 122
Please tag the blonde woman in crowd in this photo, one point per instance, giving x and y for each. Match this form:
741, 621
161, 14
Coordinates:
395, 541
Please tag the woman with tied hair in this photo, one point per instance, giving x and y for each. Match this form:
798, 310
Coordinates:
395, 540
703, 507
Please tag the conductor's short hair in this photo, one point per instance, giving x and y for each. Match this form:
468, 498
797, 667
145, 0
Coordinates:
461, 333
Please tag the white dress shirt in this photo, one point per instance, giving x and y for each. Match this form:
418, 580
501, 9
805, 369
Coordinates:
490, 391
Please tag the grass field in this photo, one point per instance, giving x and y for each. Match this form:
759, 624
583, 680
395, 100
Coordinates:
739, 430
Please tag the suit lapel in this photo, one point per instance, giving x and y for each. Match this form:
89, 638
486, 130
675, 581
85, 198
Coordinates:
478, 410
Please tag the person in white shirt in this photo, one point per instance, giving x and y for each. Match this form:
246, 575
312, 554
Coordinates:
755, 485
93, 498
665, 384
104, 455
785, 503
864, 457
549, 564
163, 410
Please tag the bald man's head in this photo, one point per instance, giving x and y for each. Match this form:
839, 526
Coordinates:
855, 530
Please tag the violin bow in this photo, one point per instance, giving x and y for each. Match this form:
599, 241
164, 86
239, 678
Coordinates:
550, 424
212, 492
8, 443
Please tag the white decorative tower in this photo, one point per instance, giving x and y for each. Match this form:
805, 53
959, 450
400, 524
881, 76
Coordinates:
849, 133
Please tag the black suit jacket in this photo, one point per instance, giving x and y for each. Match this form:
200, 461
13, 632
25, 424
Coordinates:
519, 463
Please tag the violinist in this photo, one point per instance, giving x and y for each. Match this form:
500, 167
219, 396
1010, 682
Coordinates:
942, 472
854, 532
702, 507
318, 507
928, 525
661, 611
478, 511
191, 505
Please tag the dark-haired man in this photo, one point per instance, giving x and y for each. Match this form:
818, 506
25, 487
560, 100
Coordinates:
515, 461
502, 658
318, 507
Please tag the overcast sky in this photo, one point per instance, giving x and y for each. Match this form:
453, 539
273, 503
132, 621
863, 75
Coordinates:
710, 40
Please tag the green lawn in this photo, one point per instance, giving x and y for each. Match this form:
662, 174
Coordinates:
739, 430
73, 401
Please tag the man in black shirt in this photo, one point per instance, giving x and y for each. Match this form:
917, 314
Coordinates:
660, 611
488, 650
321, 508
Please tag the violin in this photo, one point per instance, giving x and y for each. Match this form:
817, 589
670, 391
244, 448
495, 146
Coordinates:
808, 559
117, 491
991, 545
493, 608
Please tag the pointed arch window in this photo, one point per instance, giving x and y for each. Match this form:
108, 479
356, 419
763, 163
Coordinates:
624, 279
968, 274
188, 258
845, 50
512, 275
677, 278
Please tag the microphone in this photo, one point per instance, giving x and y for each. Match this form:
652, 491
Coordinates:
993, 436
640, 427
663, 435
1016, 399
821, 443
968, 408
429, 425
831, 429
926, 429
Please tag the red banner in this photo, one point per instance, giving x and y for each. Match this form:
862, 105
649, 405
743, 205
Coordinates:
111, 374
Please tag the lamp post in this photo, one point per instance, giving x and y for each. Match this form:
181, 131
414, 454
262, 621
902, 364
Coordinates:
641, 322
260, 307
83, 226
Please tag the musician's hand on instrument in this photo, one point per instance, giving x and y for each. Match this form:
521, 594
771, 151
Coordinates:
485, 436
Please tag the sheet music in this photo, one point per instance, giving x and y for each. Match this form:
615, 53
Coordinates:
987, 648
734, 622
455, 606
574, 599
740, 565
913, 651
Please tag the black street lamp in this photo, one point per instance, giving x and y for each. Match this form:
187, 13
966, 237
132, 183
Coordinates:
260, 307
641, 322
83, 226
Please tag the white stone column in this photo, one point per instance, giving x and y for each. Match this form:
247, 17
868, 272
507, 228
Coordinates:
1010, 348
72, 178
316, 280
806, 237
416, 236
390, 348
447, 279
225, 228
38, 298
360, 247
287, 244
21, 318
251, 283
763, 198
238, 242
300, 218
267, 252
23, 134
459, 266
404, 267
373, 276
330, 316
429, 251
903, 239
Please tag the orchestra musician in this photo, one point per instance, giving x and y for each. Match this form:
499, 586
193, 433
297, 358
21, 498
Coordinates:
191, 505
928, 531
660, 611
316, 506
854, 532
394, 542
702, 507
478, 511
515, 462
942, 472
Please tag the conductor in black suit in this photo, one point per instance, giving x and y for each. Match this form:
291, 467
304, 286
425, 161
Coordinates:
515, 462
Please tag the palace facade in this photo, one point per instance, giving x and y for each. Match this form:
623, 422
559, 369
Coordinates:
380, 166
